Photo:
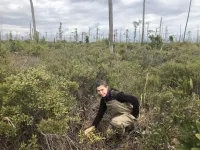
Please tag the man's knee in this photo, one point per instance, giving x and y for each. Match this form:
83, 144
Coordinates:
116, 123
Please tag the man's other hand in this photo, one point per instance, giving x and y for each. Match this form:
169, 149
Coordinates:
88, 130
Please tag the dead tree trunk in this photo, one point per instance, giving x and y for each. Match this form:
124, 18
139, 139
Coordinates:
34, 23
187, 20
160, 30
110, 6
143, 20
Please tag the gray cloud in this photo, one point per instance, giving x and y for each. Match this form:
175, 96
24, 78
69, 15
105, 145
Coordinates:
83, 14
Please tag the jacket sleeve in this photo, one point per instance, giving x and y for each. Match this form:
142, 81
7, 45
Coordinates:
101, 112
121, 97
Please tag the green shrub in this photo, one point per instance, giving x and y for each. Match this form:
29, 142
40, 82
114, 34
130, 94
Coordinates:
190, 136
41, 101
36, 50
32, 97
5, 62
156, 41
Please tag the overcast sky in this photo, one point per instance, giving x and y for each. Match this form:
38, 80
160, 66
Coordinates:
15, 15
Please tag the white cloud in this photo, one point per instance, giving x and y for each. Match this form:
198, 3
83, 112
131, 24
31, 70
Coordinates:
81, 14
128, 2
14, 6
171, 2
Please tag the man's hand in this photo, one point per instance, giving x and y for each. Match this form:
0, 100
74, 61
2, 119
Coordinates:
88, 130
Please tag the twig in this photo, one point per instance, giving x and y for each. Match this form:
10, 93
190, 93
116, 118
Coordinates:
46, 140
71, 141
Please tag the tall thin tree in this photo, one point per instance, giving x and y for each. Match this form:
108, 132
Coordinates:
160, 30
127, 37
197, 34
82, 36
76, 35
60, 31
89, 29
97, 35
180, 34
166, 33
110, 7
120, 35
139, 22
46, 36
34, 23
115, 35
143, 20
135, 24
30, 35
187, 20
147, 23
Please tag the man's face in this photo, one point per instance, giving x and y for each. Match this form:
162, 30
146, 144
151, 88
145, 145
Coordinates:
102, 90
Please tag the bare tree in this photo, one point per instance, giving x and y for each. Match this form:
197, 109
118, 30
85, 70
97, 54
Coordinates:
120, 35
189, 36
110, 7
147, 23
127, 37
139, 22
180, 34
60, 31
56, 36
166, 33
30, 35
46, 36
34, 23
89, 29
115, 36
97, 35
160, 30
76, 35
197, 34
187, 20
143, 20
135, 24
82, 36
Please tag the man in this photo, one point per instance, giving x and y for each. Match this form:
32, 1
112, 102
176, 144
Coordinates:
123, 108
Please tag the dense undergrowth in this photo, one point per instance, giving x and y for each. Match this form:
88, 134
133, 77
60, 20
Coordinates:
47, 94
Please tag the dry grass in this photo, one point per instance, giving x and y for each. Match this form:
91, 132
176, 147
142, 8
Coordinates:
24, 61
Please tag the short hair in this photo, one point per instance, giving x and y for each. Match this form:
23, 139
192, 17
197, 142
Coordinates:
100, 82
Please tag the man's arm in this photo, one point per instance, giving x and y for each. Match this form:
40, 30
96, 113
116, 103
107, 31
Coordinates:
121, 97
101, 112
